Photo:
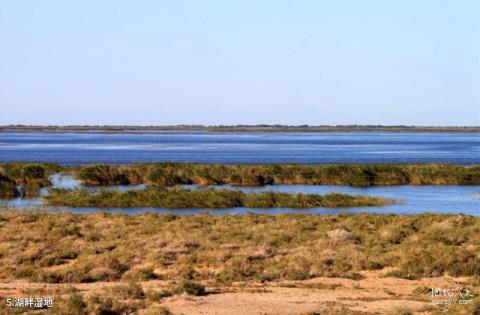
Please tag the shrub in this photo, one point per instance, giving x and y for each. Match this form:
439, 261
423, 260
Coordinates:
105, 175
139, 274
155, 296
8, 190
74, 304
131, 291
190, 287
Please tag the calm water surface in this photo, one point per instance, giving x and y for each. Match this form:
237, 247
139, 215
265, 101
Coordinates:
242, 147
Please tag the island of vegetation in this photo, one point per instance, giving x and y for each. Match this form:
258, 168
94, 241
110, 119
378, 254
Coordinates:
169, 174
181, 198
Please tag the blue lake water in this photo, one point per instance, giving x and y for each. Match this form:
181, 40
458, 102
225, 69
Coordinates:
242, 147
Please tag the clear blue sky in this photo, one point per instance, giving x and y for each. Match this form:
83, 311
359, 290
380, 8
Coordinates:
230, 62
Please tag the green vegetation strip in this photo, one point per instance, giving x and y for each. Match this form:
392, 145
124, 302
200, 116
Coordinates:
275, 174
180, 198
30, 177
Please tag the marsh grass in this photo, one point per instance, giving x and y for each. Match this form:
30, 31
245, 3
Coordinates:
169, 174
30, 177
181, 198
8, 189
33, 176
68, 248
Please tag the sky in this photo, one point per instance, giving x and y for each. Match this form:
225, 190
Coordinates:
319, 62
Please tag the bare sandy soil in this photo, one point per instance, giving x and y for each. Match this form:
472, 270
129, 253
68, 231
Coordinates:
372, 295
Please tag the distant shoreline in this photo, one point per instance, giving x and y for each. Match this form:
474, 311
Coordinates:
236, 128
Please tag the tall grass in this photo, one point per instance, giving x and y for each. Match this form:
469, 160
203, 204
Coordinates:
29, 176
180, 198
273, 174
8, 189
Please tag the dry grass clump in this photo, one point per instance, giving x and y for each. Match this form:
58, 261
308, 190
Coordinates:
339, 235
118, 300
180, 198
189, 287
169, 174
129, 298
67, 248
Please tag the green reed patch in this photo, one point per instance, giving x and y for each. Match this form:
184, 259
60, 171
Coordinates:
8, 189
30, 177
181, 198
168, 174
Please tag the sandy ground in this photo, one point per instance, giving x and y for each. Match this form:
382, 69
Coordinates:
373, 295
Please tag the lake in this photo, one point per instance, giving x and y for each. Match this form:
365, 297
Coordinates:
262, 147
242, 147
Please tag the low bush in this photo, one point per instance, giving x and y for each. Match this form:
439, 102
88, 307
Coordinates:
189, 287
8, 190
139, 274
127, 292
